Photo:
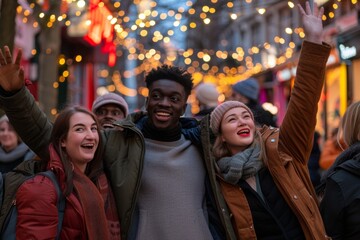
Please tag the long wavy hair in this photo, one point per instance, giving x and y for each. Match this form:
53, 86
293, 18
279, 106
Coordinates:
349, 128
59, 133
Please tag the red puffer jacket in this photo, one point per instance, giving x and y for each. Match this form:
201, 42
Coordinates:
37, 211
38, 214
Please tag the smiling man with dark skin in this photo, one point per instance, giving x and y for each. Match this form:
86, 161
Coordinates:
172, 190
162, 177
166, 104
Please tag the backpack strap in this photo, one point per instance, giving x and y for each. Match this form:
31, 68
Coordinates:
60, 201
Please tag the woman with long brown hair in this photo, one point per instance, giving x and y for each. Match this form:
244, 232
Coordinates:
75, 159
263, 172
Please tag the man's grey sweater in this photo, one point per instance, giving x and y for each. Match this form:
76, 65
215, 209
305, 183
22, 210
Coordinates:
171, 198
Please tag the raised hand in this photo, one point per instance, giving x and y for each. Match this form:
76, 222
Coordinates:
11, 74
312, 22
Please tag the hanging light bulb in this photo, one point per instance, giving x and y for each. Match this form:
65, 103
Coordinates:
261, 10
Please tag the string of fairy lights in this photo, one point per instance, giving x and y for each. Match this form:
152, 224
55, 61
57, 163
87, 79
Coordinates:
197, 61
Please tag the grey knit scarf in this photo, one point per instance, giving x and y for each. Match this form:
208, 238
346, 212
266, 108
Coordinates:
242, 165
20, 151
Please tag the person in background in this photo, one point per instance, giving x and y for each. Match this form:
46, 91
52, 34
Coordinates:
313, 164
247, 92
109, 108
263, 172
12, 150
340, 204
207, 97
75, 158
330, 150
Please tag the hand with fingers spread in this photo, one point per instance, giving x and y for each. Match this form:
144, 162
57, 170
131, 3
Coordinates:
312, 22
11, 74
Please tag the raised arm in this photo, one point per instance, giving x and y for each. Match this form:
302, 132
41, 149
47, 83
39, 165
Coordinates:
24, 114
297, 129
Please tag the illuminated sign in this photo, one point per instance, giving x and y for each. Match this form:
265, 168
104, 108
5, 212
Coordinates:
101, 29
90, 22
99, 25
347, 52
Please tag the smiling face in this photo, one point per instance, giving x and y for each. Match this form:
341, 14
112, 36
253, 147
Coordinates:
82, 140
237, 129
166, 103
8, 137
109, 113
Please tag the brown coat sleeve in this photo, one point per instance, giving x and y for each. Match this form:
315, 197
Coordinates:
297, 129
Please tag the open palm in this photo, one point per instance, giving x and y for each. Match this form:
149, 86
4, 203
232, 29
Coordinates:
312, 22
11, 74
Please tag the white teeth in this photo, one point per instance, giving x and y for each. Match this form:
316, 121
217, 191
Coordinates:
88, 145
163, 114
243, 131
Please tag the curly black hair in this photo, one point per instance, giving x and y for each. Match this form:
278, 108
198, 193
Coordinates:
173, 73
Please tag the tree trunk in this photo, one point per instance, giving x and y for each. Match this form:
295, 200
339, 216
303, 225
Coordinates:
50, 41
7, 22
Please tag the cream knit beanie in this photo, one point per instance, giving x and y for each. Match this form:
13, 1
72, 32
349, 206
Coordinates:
207, 94
218, 113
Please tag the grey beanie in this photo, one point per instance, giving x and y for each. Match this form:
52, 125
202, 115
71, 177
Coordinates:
113, 98
248, 88
218, 113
